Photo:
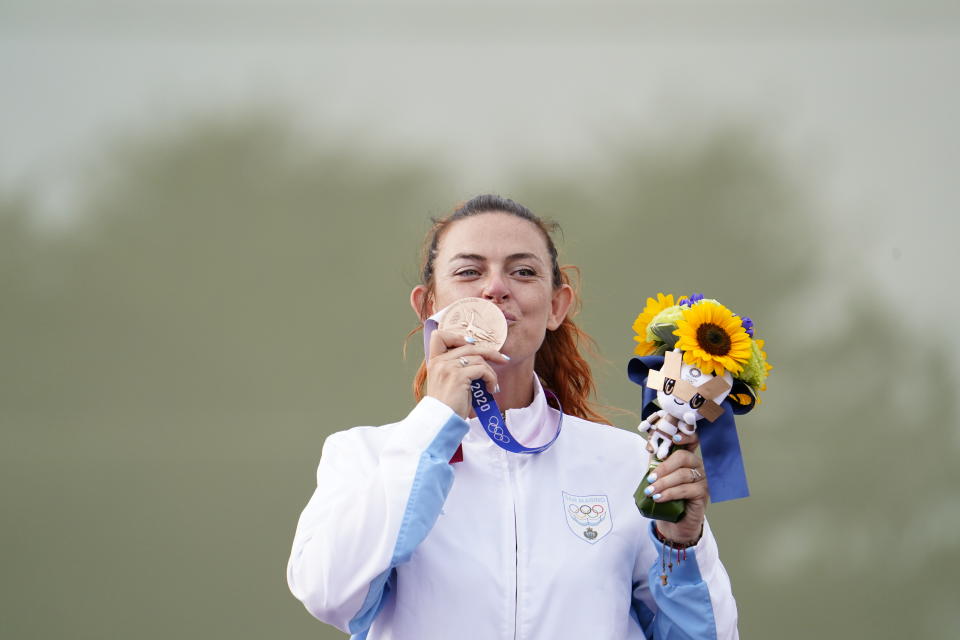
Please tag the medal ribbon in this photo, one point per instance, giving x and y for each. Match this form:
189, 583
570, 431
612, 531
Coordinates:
494, 425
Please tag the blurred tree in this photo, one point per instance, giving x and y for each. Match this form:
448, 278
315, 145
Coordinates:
233, 292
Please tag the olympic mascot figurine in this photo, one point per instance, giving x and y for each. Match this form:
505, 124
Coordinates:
696, 361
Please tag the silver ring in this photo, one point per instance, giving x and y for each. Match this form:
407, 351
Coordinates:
696, 475
463, 361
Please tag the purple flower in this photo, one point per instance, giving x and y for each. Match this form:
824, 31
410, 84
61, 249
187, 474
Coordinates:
692, 300
747, 324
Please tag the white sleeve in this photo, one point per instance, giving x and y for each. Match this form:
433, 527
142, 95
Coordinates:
377, 497
697, 601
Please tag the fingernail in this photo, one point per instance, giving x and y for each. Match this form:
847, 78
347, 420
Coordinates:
656, 496
677, 438
470, 339
505, 357
652, 477
648, 490
496, 389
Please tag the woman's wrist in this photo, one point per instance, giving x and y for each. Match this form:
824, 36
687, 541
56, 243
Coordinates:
676, 544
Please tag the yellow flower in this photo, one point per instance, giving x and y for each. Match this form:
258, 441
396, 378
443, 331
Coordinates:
653, 307
756, 370
712, 339
767, 367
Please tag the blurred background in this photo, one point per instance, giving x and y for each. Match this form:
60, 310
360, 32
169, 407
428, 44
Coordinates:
210, 218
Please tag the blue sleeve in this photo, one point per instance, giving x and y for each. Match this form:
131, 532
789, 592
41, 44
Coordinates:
696, 603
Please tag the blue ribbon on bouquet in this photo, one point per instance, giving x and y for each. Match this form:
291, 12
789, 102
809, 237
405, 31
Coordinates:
484, 405
722, 459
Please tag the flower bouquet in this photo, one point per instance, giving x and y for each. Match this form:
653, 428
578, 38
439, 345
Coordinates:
696, 360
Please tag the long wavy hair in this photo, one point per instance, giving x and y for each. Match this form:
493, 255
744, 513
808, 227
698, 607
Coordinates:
559, 362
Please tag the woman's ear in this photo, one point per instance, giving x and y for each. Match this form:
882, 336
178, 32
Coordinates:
559, 306
417, 299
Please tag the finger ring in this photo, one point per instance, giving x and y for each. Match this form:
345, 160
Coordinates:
696, 475
463, 361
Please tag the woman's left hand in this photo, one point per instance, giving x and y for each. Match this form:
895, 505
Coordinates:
681, 476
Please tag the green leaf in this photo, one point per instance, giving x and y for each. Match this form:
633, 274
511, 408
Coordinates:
665, 333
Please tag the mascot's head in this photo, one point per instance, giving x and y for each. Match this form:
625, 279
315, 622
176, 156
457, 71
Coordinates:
682, 388
686, 392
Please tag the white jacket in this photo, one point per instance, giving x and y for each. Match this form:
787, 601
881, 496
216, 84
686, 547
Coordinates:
397, 543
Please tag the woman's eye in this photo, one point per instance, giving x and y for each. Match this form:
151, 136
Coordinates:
525, 272
467, 272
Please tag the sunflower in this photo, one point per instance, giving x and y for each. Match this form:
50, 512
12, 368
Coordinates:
646, 347
713, 339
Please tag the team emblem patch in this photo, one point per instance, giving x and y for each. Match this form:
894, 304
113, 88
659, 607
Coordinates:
587, 516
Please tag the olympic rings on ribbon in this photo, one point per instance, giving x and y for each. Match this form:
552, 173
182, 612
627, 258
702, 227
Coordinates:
496, 432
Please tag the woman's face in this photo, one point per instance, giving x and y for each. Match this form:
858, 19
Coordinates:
504, 259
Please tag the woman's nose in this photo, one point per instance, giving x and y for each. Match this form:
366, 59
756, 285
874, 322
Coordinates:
495, 288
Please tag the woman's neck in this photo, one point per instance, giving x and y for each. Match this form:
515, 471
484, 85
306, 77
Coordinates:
516, 385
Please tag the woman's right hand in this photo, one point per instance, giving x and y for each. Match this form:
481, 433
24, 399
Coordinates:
454, 363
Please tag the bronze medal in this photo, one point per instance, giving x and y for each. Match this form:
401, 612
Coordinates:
478, 318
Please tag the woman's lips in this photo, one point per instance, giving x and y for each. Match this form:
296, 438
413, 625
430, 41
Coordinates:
510, 317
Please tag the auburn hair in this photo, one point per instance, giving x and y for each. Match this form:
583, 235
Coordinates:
559, 363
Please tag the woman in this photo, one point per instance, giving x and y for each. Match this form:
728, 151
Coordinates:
425, 529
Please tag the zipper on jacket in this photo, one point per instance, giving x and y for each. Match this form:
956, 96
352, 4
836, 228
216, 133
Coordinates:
511, 474
516, 572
